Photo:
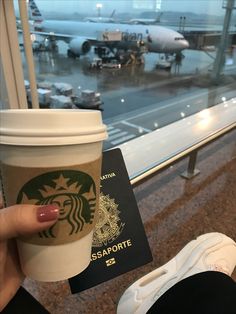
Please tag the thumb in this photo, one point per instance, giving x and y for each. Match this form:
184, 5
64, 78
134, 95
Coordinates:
23, 219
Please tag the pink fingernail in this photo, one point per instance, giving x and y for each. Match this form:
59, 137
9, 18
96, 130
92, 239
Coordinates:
47, 213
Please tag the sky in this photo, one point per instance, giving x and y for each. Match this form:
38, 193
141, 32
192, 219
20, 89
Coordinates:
213, 7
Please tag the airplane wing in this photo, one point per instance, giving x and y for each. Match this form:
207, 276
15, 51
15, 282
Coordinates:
104, 37
58, 36
80, 45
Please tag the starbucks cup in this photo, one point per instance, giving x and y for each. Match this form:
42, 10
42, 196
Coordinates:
51, 156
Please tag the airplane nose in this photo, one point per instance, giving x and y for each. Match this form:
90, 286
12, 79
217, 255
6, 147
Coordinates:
185, 44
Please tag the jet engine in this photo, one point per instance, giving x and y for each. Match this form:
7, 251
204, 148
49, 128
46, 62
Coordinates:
79, 46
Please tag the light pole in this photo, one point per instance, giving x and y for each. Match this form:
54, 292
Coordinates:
99, 7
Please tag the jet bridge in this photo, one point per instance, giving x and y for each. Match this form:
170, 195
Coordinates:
201, 40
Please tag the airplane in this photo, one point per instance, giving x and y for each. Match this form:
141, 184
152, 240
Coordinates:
144, 21
81, 36
101, 19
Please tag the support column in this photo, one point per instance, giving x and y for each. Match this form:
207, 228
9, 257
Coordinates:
191, 171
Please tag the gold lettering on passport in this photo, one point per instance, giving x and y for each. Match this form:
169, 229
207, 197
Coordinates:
112, 249
74, 189
109, 226
108, 176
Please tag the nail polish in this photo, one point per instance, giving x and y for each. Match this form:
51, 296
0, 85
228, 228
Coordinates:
47, 213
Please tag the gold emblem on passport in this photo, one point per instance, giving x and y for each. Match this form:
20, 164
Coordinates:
73, 192
109, 225
110, 261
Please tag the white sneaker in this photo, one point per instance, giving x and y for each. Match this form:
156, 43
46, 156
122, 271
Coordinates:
211, 251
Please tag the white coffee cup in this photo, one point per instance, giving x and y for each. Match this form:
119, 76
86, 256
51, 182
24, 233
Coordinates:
65, 144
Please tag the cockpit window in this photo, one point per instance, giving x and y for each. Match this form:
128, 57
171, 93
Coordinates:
179, 38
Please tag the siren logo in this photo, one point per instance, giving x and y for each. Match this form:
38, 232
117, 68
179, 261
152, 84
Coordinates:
74, 192
109, 225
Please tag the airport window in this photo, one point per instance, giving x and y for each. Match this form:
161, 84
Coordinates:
92, 56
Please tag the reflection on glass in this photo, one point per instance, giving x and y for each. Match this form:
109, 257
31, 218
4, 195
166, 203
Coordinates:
205, 118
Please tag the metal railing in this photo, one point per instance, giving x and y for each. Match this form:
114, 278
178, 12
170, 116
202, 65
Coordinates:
146, 156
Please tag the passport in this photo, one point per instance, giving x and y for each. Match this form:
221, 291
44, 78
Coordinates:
119, 241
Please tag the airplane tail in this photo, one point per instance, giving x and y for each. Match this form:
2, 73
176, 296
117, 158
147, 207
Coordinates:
113, 13
35, 14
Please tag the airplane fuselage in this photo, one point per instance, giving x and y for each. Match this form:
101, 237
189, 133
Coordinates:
156, 38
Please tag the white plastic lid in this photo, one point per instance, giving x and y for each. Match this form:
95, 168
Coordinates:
44, 127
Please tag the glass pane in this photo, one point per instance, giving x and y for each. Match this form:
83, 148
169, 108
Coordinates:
145, 64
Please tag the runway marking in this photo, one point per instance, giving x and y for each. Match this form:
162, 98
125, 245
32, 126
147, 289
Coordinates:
136, 126
111, 138
113, 131
123, 139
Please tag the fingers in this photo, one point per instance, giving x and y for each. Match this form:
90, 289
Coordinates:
26, 219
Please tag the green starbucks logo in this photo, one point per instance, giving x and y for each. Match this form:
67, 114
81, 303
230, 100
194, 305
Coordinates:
74, 192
